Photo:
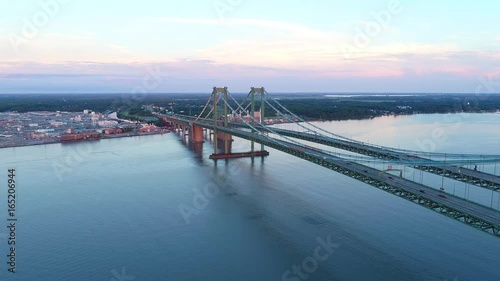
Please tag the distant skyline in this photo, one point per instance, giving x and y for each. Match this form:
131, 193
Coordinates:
407, 46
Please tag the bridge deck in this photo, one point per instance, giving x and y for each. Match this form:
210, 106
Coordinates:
473, 214
462, 174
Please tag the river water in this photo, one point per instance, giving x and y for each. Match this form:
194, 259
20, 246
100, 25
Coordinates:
154, 208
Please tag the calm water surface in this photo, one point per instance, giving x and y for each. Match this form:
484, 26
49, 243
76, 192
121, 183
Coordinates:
110, 210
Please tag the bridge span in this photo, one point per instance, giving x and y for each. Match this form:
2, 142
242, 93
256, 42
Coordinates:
470, 213
463, 174
473, 214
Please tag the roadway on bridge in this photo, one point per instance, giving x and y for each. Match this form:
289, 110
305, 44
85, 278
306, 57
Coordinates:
452, 206
481, 179
472, 209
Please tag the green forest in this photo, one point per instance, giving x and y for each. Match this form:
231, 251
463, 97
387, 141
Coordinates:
313, 106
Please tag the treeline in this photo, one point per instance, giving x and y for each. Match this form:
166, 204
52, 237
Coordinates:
314, 107
51, 102
96, 102
369, 107
136, 112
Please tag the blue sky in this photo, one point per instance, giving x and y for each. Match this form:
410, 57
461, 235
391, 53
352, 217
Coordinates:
287, 46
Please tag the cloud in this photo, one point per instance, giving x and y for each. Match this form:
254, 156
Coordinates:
188, 75
273, 51
54, 48
321, 56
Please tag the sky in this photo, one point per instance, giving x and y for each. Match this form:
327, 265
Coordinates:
149, 46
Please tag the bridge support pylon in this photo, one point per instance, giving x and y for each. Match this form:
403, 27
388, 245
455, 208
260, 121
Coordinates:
196, 134
261, 91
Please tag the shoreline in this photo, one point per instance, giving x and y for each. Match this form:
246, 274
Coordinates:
169, 131
78, 141
403, 114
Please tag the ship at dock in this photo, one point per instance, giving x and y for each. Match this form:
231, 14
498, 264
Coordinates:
80, 137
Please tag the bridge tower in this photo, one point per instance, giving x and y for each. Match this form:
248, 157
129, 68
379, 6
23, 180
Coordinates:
222, 93
253, 92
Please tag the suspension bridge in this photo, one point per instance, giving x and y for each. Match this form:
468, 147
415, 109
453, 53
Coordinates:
223, 117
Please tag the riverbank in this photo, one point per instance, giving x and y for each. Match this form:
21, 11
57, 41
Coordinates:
58, 140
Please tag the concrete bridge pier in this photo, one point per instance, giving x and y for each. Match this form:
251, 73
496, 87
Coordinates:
185, 131
226, 140
197, 148
196, 134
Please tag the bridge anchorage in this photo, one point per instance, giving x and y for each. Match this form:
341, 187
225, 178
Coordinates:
347, 156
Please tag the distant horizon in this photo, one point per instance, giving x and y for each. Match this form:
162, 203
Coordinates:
277, 93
